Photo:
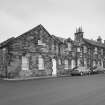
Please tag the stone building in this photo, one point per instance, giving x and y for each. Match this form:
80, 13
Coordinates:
34, 53
37, 53
91, 52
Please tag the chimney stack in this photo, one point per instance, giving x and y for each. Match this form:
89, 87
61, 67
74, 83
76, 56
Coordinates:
99, 39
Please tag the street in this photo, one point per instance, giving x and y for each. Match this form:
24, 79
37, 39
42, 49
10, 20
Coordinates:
77, 90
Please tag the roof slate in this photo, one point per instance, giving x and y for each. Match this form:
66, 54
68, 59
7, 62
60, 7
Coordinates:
59, 39
95, 43
6, 42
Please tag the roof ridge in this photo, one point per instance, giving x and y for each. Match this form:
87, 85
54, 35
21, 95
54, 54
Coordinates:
93, 42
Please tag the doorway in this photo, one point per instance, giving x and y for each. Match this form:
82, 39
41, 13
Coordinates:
54, 73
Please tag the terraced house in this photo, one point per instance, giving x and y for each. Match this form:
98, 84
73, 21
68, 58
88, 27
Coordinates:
91, 52
37, 53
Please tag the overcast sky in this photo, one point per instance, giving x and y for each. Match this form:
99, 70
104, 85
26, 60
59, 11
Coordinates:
59, 17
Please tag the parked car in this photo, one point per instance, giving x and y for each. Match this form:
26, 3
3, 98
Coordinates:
76, 72
80, 71
97, 70
94, 70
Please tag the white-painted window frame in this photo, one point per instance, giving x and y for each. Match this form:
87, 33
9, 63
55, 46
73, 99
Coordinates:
40, 63
66, 63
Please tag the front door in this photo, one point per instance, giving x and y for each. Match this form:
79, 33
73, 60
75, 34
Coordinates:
54, 67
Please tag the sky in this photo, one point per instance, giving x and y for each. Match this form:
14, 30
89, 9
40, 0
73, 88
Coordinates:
59, 17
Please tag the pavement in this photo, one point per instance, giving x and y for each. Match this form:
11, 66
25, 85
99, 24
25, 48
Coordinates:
33, 78
76, 90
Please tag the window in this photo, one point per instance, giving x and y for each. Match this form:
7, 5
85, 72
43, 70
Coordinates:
66, 64
59, 61
56, 48
85, 62
41, 43
101, 62
72, 64
4, 49
53, 46
95, 50
101, 51
78, 49
81, 54
69, 46
85, 49
25, 63
94, 63
78, 62
40, 63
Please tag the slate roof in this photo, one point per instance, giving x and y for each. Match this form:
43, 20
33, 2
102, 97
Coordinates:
39, 27
6, 42
95, 43
59, 39
76, 43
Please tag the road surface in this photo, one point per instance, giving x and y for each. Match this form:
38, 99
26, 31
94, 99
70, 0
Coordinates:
86, 90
